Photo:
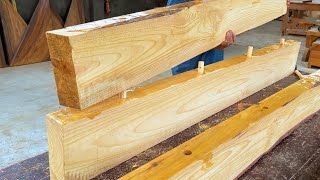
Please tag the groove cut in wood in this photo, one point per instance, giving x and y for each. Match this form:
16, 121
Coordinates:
13, 27
227, 150
97, 60
33, 47
85, 143
75, 14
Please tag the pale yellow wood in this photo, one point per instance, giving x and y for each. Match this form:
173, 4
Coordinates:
95, 61
225, 151
282, 41
124, 95
298, 73
102, 136
14, 4
201, 67
250, 51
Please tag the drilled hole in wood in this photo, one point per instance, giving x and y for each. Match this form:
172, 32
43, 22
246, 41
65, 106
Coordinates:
187, 152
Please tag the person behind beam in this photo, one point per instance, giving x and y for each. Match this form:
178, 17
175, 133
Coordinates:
209, 57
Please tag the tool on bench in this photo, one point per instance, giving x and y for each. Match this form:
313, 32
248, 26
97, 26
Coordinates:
107, 6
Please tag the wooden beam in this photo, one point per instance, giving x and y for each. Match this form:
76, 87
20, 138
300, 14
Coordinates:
230, 148
13, 27
75, 14
85, 143
33, 47
97, 60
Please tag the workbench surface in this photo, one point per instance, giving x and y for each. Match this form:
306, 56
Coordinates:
296, 157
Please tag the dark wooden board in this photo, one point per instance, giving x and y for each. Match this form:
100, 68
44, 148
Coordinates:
33, 47
2, 54
295, 157
2, 57
13, 27
75, 14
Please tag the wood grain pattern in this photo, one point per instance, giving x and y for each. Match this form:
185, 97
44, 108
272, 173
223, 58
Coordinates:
75, 14
102, 136
13, 27
33, 47
106, 57
227, 150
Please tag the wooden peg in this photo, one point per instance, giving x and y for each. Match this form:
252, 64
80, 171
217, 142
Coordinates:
298, 73
282, 41
250, 51
201, 67
14, 5
124, 95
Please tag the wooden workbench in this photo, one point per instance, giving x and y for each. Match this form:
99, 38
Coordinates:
296, 8
296, 157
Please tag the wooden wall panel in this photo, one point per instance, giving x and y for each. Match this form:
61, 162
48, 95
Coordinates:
14, 27
33, 47
75, 14
91, 141
97, 60
2, 55
3, 62
228, 149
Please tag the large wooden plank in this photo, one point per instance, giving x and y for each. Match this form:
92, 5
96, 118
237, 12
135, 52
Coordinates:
13, 27
84, 143
97, 60
33, 47
227, 150
75, 14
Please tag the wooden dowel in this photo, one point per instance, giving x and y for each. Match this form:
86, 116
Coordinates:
250, 51
14, 5
298, 73
124, 95
201, 67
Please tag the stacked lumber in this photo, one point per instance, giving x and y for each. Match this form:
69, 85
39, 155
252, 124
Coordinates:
228, 149
85, 143
97, 60
26, 43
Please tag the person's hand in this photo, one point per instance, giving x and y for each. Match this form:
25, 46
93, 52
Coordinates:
229, 40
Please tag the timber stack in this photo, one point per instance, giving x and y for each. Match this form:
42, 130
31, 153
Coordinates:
104, 124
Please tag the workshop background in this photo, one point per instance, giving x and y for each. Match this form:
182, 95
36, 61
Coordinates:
94, 9
28, 93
